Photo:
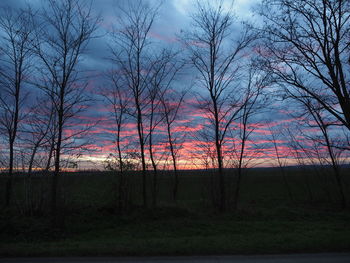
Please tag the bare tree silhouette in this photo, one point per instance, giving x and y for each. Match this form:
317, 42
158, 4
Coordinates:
253, 103
60, 43
315, 116
171, 105
217, 63
307, 51
116, 95
166, 67
130, 54
15, 53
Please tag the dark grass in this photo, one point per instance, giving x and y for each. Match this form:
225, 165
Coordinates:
265, 222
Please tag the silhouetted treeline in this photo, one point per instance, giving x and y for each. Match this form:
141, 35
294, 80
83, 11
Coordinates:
235, 75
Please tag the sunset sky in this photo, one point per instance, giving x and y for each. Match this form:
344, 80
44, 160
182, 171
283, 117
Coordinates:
173, 19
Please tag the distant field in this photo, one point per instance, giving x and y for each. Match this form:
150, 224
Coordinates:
266, 221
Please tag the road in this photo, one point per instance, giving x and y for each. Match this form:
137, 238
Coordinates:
294, 258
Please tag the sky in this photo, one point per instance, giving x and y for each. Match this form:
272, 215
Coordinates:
173, 18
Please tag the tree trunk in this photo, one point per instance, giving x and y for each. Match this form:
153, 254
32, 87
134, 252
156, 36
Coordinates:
222, 193
155, 184
284, 176
121, 192
222, 205
52, 148
8, 192
29, 203
335, 168
143, 161
239, 175
55, 179
176, 178
30, 167
155, 170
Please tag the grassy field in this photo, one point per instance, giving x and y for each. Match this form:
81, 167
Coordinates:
266, 221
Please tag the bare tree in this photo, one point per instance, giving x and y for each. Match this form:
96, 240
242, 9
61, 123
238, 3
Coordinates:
163, 70
253, 104
17, 28
50, 145
130, 53
315, 116
117, 98
36, 131
307, 50
166, 67
60, 44
171, 104
217, 63
281, 160
33, 138
204, 155
299, 154
154, 119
